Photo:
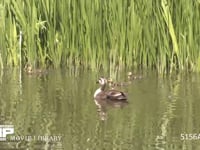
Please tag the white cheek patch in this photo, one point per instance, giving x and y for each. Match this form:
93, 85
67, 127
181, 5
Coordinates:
102, 81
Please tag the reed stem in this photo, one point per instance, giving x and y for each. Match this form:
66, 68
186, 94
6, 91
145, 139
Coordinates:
159, 35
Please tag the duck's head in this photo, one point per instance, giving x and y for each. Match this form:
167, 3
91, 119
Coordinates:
130, 74
102, 81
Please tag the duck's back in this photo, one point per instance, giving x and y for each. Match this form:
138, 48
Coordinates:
115, 95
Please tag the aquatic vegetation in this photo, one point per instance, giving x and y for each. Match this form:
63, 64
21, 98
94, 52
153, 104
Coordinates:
115, 34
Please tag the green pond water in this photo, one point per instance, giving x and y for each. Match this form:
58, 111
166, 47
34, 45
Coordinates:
162, 113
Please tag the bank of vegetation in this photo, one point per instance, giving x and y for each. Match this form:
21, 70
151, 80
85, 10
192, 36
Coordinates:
111, 34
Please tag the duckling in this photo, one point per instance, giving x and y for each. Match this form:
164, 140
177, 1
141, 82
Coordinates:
131, 76
110, 82
112, 94
113, 84
29, 70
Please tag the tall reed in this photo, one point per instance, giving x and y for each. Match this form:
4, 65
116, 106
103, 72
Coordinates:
109, 34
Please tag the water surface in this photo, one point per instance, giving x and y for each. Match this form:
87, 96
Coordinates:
162, 112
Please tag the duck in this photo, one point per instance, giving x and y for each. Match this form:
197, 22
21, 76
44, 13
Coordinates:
29, 70
131, 76
113, 84
111, 94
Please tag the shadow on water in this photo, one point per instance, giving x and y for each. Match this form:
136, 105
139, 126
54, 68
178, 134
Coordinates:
61, 103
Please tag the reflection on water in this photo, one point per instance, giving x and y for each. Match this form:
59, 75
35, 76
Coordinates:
103, 106
61, 103
168, 115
